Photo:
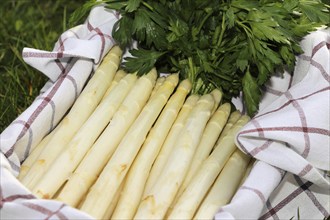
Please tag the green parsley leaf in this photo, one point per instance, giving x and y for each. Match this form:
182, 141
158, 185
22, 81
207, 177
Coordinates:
142, 61
123, 30
132, 5
252, 93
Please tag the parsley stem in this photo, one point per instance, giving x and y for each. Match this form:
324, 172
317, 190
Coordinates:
204, 20
247, 30
191, 69
215, 35
219, 32
147, 5
223, 28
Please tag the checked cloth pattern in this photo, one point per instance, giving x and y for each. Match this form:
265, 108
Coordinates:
289, 137
76, 53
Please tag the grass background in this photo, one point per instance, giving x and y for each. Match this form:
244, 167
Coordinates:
26, 23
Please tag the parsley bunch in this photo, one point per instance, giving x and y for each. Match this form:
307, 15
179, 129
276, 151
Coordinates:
233, 45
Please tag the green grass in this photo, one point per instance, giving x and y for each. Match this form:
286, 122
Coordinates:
26, 23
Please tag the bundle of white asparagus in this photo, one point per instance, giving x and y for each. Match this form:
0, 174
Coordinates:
140, 147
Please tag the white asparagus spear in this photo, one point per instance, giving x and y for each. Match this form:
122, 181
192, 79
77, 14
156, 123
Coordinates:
113, 204
217, 96
169, 142
118, 76
33, 156
158, 200
105, 187
210, 136
69, 159
224, 186
88, 171
159, 82
194, 193
138, 173
233, 118
79, 113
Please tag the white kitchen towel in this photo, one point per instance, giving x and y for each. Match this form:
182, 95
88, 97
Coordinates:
76, 53
290, 138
